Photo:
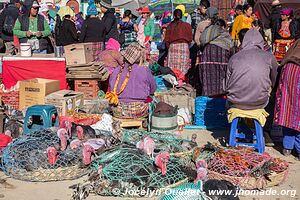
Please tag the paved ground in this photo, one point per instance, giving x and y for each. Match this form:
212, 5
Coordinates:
19, 190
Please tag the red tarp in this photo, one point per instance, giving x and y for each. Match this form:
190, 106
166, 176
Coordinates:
16, 69
264, 7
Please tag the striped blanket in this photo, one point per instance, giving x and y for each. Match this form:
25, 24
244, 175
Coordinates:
287, 107
179, 57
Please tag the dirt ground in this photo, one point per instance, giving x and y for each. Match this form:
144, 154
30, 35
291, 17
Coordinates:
20, 190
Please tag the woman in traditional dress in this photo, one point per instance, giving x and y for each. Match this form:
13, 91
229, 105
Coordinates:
146, 30
131, 85
178, 37
284, 33
218, 45
128, 29
287, 107
242, 21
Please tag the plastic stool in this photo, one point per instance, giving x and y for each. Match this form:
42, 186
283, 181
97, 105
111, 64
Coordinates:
41, 118
258, 136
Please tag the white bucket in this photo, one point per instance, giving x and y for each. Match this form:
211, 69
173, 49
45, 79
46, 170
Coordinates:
25, 49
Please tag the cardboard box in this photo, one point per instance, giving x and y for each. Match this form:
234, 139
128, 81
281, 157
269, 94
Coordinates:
65, 101
33, 91
81, 53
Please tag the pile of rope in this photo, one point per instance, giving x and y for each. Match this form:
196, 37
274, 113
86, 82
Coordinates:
27, 159
242, 166
240, 162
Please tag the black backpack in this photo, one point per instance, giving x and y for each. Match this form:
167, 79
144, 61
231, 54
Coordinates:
8, 25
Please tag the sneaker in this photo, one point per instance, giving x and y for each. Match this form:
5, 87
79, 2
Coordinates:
268, 140
286, 152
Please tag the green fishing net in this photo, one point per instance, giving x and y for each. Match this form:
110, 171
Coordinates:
163, 141
125, 168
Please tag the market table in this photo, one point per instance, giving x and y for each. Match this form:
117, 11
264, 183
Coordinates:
16, 69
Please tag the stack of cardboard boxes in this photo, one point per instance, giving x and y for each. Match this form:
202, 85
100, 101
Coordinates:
44, 91
82, 70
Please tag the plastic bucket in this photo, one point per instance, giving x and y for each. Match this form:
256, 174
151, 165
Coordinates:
25, 49
164, 122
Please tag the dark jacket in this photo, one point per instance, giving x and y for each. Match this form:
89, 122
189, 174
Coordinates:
277, 26
24, 20
68, 34
110, 22
297, 29
93, 30
274, 18
12, 11
251, 73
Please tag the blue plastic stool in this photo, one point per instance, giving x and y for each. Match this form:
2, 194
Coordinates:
41, 118
258, 136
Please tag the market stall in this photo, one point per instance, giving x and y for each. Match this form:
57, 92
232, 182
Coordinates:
16, 69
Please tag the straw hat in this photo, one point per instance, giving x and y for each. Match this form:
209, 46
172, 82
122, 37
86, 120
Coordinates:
133, 53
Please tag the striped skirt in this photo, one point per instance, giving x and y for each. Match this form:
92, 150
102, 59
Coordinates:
132, 110
212, 69
179, 57
287, 106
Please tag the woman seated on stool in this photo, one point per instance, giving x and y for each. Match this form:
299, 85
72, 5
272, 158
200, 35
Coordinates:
131, 85
251, 75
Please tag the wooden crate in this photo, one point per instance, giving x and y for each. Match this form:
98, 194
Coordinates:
89, 88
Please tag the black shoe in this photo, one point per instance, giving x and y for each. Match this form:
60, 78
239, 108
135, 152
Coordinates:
286, 152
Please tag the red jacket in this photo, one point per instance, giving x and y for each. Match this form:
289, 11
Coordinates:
178, 32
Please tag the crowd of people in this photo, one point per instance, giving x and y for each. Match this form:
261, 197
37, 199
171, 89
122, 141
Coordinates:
244, 60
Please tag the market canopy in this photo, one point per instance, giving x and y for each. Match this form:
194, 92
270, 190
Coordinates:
128, 4
154, 3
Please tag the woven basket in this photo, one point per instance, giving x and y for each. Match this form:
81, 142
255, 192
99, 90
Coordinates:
248, 183
47, 175
277, 178
251, 183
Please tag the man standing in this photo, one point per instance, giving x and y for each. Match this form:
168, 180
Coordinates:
198, 15
8, 18
33, 29
110, 20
